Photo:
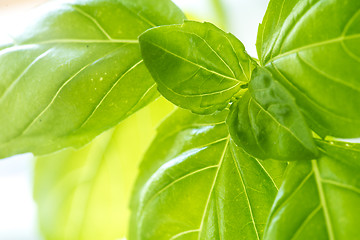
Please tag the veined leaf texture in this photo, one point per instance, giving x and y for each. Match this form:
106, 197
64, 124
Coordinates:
76, 72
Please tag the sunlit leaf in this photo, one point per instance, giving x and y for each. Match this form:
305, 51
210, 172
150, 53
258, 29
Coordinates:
313, 49
85, 194
195, 183
196, 65
267, 123
319, 199
76, 72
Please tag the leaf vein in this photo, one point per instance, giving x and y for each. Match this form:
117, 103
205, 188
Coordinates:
61, 88
195, 64
91, 18
322, 199
317, 105
213, 186
292, 194
144, 19
69, 40
176, 181
267, 173
302, 15
327, 75
348, 52
212, 49
281, 125
252, 126
186, 175
277, 24
313, 45
342, 185
108, 92
240, 65
246, 195
351, 21
191, 126
183, 233
307, 219
12, 85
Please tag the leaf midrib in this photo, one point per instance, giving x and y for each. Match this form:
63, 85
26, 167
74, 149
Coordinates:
246, 195
310, 46
312, 101
322, 199
54, 98
211, 48
213, 186
80, 40
111, 89
280, 125
182, 177
328, 76
96, 23
195, 64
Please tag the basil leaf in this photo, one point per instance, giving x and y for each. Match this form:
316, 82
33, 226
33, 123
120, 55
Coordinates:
84, 194
196, 65
267, 123
195, 183
5, 45
76, 72
319, 199
312, 47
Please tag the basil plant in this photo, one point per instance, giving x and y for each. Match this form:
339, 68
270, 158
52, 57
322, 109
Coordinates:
254, 150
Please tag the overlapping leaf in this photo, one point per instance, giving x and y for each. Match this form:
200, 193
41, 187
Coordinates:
196, 65
76, 72
85, 194
313, 48
195, 183
319, 199
267, 123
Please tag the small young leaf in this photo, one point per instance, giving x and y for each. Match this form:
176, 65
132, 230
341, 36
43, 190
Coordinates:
195, 183
267, 123
313, 49
76, 72
196, 65
319, 199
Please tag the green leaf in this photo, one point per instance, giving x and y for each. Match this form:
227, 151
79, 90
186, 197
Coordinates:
76, 72
267, 123
319, 199
196, 65
195, 183
313, 49
85, 194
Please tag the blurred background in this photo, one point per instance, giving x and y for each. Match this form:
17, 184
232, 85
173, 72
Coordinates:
64, 181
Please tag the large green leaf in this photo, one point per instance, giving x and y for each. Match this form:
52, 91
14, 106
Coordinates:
319, 199
76, 72
195, 183
267, 123
313, 47
196, 65
85, 194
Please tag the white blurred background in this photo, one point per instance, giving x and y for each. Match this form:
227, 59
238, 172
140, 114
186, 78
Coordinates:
17, 208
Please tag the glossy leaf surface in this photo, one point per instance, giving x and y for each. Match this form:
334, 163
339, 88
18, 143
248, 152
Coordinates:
319, 199
267, 123
85, 194
313, 49
196, 65
195, 183
76, 72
